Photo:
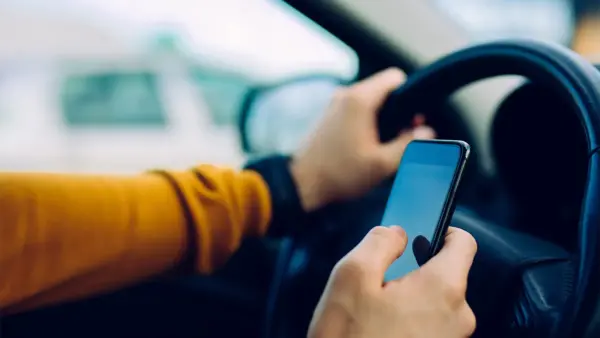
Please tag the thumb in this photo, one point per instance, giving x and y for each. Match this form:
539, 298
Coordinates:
379, 249
391, 152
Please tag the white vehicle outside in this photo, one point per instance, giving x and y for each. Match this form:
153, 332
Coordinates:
82, 90
163, 122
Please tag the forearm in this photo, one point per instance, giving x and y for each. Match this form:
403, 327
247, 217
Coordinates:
65, 237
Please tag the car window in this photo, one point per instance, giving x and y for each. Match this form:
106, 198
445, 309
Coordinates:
112, 99
223, 94
551, 20
278, 43
203, 56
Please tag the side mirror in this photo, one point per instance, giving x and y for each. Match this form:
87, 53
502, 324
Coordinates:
277, 118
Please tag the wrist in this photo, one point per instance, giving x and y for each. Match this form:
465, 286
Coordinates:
287, 212
310, 187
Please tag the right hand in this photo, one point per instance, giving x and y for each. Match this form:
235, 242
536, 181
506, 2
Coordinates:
348, 137
427, 303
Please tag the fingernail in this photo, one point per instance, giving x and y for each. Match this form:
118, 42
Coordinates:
423, 133
396, 73
398, 229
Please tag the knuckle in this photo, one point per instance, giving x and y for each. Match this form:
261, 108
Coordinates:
380, 166
468, 242
469, 321
455, 293
341, 94
353, 97
471, 243
350, 271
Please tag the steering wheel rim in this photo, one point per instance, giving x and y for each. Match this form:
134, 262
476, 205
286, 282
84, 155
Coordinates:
521, 262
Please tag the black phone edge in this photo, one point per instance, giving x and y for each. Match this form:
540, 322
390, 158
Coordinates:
450, 203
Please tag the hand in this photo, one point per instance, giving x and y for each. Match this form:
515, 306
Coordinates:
427, 303
344, 158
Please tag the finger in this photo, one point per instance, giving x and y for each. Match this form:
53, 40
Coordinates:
423, 133
418, 120
455, 259
375, 89
379, 249
391, 152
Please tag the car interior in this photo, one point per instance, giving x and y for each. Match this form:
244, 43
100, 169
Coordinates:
531, 112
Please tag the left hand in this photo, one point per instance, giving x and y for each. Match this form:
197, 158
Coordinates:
344, 158
429, 302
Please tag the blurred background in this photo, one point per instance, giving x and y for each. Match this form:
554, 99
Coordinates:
123, 86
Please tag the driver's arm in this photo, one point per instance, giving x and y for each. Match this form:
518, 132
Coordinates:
63, 237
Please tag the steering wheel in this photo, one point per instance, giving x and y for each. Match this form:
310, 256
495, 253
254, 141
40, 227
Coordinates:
520, 285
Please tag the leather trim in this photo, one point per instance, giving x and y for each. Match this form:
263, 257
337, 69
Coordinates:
571, 76
587, 286
568, 75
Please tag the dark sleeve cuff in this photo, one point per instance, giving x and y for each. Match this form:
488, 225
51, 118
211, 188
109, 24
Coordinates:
287, 213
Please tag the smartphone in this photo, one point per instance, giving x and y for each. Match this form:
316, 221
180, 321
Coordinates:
422, 199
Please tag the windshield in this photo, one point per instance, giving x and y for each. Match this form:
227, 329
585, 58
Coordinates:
125, 86
551, 20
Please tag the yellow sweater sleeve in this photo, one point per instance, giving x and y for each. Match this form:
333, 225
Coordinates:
64, 237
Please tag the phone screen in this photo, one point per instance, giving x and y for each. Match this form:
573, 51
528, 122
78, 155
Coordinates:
418, 199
